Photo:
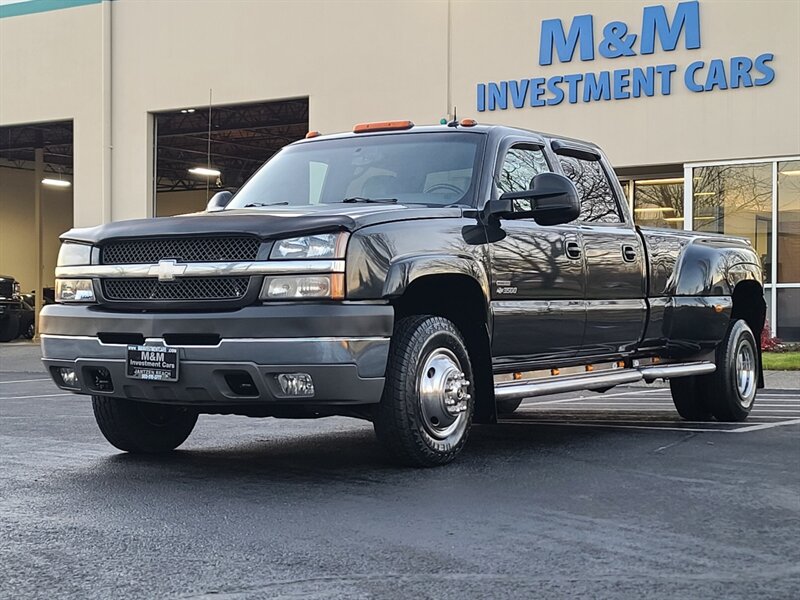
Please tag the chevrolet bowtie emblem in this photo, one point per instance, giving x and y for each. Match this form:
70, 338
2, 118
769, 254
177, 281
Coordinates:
167, 270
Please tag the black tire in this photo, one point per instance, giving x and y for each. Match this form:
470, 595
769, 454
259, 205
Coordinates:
141, 427
730, 391
506, 407
411, 423
689, 399
28, 332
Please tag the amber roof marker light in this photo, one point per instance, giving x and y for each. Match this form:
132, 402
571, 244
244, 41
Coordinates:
312, 134
382, 126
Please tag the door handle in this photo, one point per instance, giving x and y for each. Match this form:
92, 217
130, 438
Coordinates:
573, 250
628, 253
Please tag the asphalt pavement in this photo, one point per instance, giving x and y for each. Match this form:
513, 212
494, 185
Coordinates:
574, 496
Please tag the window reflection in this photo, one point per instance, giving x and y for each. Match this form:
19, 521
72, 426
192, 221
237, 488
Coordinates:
736, 200
658, 202
788, 314
789, 222
598, 204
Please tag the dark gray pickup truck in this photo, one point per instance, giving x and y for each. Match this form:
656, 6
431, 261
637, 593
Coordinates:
423, 278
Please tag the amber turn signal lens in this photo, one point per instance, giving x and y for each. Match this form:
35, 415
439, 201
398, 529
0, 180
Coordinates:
382, 126
589, 368
718, 308
554, 371
517, 376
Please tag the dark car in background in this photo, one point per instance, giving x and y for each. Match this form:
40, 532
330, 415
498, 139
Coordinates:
18, 311
16, 315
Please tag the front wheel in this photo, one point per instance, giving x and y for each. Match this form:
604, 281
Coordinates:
142, 427
426, 410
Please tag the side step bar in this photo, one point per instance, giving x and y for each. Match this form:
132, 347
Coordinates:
593, 381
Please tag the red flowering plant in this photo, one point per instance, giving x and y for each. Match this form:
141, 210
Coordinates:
769, 343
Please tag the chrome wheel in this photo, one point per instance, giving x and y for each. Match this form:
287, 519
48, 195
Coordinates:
443, 395
745, 373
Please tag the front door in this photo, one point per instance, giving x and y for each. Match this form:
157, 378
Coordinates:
537, 276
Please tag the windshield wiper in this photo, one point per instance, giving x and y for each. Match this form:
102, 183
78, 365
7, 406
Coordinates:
355, 199
256, 204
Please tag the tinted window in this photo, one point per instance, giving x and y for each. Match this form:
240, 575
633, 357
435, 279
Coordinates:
598, 204
520, 165
436, 169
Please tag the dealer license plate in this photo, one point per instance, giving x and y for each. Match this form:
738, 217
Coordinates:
155, 363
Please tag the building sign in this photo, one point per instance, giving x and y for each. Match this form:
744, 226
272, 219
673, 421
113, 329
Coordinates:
658, 33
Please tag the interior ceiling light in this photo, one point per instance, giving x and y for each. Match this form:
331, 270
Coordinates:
187, 110
705, 193
666, 181
794, 173
62, 183
205, 172
654, 209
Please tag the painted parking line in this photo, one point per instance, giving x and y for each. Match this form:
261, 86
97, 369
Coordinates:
32, 397
746, 429
26, 380
652, 409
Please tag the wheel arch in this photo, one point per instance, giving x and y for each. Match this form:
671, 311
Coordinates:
462, 299
750, 306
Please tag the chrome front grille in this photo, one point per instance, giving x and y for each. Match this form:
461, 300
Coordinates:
188, 288
196, 249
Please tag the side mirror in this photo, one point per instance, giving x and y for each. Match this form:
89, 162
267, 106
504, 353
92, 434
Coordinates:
219, 201
551, 200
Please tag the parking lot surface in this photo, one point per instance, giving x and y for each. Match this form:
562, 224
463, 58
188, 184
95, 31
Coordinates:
577, 495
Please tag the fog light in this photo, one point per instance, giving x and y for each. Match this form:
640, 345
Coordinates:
69, 378
296, 384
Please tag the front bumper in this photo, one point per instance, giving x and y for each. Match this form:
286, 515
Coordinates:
344, 347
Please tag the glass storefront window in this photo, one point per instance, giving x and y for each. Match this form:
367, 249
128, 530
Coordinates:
658, 202
789, 222
788, 314
736, 200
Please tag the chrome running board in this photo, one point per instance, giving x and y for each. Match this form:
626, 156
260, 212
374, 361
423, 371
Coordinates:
556, 384
651, 373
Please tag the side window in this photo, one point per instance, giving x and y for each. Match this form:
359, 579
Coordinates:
598, 204
520, 165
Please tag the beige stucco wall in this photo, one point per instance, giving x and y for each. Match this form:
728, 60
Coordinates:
360, 61
17, 234
51, 69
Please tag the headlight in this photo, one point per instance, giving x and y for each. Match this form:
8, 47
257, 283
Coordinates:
72, 254
321, 245
74, 290
298, 287
15, 289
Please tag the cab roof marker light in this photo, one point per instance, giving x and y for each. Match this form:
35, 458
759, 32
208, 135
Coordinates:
382, 126
468, 122
312, 134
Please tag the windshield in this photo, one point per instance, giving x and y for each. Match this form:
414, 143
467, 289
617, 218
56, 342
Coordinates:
433, 169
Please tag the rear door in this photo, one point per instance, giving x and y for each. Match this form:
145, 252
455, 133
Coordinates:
614, 255
537, 272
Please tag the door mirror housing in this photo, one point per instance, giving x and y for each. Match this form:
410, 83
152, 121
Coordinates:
219, 201
551, 200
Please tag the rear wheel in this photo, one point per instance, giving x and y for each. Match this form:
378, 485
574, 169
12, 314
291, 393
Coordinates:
688, 397
143, 427
425, 413
731, 389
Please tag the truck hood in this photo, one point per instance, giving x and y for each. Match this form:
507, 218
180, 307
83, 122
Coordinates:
267, 223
